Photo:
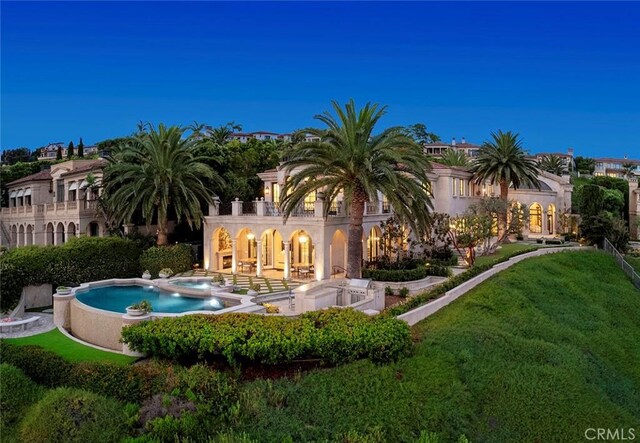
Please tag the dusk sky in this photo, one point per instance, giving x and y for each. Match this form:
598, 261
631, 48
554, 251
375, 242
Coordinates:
561, 74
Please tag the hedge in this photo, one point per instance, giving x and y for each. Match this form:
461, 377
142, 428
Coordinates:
18, 392
179, 258
68, 415
398, 275
332, 335
439, 290
79, 260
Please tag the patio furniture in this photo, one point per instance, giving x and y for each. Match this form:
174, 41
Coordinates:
22, 323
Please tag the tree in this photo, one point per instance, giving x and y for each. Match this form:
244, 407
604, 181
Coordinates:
59, 153
502, 161
453, 157
220, 134
552, 163
12, 156
628, 168
351, 161
418, 132
70, 150
585, 165
80, 148
158, 172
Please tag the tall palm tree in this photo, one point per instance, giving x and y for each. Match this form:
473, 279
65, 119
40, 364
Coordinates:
350, 160
158, 171
627, 169
502, 161
552, 163
221, 133
453, 157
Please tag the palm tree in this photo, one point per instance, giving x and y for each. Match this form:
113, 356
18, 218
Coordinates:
220, 134
552, 163
156, 172
627, 169
502, 161
453, 157
350, 160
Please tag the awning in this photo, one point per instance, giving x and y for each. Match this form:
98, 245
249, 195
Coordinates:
73, 186
27, 192
20, 193
13, 194
83, 184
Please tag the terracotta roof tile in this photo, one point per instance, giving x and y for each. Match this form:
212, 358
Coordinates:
38, 176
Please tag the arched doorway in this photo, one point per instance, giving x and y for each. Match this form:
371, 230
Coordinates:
50, 238
29, 234
338, 253
535, 218
21, 239
60, 234
247, 251
302, 254
71, 230
14, 236
272, 249
373, 244
93, 229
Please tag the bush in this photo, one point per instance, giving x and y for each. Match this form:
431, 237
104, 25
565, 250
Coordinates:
179, 258
72, 415
18, 392
42, 366
404, 291
79, 260
400, 275
333, 335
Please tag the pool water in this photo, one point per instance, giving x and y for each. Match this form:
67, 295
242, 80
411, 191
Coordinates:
117, 298
191, 284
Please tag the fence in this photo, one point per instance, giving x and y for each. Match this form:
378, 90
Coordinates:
626, 267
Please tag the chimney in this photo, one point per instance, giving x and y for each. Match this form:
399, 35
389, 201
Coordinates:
453, 141
463, 141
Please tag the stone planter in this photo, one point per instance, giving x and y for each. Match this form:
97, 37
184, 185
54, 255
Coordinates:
252, 292
65, 291
135, 312
146, 276
161, 275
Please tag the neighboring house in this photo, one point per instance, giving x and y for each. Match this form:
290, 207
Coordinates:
253, 237
53, 205
567, 159
436, 149
612, 167
634, 208
50, 151
244, 137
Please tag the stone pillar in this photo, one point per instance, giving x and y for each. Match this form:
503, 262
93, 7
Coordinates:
545, 231
62, 310
132, 320
318, 208
287, 260
236, 207
128, 228
234, 256
259, 257
260, 207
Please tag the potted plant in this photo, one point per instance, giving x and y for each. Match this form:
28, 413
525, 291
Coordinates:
271, 309
63, 290
218, 280
146, 275
140, 308
165, 273
254, 289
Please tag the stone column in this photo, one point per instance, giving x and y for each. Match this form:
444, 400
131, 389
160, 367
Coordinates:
234, 256
236, 207
260, 207
62, 310
132, 320
287, 260
259, 258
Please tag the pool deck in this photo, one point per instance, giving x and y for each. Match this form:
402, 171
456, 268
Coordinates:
45, 324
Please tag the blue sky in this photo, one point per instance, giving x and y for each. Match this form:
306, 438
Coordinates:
562, 74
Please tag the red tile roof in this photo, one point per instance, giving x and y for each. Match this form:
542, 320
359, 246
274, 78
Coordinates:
38, 176
96, 164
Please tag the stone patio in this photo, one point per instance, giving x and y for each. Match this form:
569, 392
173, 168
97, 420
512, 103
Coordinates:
45, 324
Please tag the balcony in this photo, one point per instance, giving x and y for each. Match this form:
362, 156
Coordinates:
59, 208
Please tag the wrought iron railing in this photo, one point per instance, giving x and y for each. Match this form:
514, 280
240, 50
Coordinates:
249, 208
626, 267
272, 209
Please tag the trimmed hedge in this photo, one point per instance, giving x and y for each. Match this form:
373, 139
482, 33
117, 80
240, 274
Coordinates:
439, 290
68, 415
79, 260
18, 392
179, 258
399, 275
332, 335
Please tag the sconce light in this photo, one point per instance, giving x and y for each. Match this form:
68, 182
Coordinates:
266, 190
250, 236
302, 238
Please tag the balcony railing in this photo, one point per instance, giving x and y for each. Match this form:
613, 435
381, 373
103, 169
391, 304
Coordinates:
249, 208
272, 209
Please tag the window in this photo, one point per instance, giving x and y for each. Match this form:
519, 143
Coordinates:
535, 218
60, 191
462, 188
454, 190
309, 201
275, 189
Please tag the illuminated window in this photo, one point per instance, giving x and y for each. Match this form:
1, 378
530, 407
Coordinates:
535, 218
463, 188
275, 189
309, 201
454, 184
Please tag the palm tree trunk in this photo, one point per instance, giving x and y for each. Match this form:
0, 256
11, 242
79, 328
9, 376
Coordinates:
354, 257
162, 232
502, 221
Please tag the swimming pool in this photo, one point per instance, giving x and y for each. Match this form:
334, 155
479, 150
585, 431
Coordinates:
117, 298
191, 284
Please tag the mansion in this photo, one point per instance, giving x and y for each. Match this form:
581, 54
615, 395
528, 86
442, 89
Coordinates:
252, 237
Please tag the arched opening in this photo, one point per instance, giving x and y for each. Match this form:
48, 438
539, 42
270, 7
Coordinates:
60, 234
338, 253
14, 236
551, 219
272, 249
50, 235
21, 239
29, 234
221, 257
302, 254
246, 250
373, 244
71, 230
535, 218
93, 229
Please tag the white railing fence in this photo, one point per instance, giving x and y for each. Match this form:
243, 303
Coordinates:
626, 267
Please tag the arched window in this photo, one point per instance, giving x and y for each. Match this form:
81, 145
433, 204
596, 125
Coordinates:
535, 218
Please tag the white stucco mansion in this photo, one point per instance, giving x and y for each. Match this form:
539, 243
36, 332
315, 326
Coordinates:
251, 237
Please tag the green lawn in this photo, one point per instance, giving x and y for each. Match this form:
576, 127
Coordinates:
538, 353
633, 261
71, 350
507, 249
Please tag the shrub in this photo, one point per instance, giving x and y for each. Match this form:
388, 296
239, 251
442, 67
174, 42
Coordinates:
404, 291
42, 366
179, 258
333, 335
18, 392
388, 290
72, 415
400, 275
79, 260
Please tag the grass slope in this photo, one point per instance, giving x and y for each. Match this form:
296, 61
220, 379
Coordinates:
57, 342
538, 353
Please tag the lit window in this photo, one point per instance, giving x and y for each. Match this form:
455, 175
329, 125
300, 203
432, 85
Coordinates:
454, 191
462, 187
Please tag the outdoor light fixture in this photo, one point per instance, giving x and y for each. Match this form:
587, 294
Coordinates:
302, 238
250, 236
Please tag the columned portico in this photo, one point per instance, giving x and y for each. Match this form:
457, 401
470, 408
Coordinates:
287, 260
258, 258
234, 256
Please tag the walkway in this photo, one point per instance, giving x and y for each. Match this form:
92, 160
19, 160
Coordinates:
45, 324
